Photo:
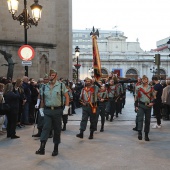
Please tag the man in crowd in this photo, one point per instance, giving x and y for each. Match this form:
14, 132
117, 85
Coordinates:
157, 102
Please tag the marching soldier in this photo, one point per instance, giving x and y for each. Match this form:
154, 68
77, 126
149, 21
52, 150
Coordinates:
88, 98
65, 117
52, 108
102, 100
136, 86
112, 94
143, 103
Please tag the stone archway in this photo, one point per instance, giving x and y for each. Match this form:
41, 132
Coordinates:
132, 73
104, 73
162, 74
44, 65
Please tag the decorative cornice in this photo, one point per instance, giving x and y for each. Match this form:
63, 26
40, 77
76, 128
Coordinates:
20, 43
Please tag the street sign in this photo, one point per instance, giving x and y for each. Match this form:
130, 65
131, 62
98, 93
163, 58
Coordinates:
26, 53
26, 63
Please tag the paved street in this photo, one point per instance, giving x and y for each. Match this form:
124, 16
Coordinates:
117, 148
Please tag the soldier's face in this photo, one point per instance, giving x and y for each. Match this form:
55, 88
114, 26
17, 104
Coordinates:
53, 76
88, 82
111, 82
145, 81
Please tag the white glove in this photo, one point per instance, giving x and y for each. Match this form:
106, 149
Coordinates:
38, 103
41, 110
65, 111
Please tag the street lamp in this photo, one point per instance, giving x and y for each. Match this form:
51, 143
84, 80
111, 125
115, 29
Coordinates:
24, 18
153, 70
77, 65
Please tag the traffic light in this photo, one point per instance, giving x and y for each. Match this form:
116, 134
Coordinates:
157, 59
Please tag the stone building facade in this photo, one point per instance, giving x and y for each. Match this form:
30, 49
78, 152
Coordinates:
51, 39
124, 58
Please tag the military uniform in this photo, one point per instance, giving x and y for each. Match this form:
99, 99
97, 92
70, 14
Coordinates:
88, 99
65, 117
136, 120
102, 100
118, 99
110, 107
144, 97
53, 111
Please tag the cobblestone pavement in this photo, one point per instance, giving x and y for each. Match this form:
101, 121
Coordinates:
117, 148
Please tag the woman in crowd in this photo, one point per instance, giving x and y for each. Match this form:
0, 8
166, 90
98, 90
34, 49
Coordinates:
12, 98
2, 117
22, 100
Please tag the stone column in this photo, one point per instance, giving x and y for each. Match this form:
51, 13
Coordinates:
64, 38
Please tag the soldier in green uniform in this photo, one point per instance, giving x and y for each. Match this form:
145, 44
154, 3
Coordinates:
144, 99
52, 107
88, 98
112, 94
136, 86
102, 100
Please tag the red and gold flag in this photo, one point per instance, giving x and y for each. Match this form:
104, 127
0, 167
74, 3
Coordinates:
96, 58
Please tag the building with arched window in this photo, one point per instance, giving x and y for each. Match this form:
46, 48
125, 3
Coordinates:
126, 59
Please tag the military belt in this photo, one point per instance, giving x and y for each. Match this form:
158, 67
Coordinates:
144, 103
53, 108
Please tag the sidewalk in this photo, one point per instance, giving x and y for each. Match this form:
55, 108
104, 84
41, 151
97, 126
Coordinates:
117, 148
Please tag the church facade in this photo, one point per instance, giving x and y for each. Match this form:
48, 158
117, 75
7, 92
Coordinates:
126, 59
51, 39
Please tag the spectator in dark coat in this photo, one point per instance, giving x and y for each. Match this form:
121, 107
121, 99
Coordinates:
12, 97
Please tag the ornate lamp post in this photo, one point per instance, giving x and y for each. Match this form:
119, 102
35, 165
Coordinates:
77, 65
153, 70
24, 18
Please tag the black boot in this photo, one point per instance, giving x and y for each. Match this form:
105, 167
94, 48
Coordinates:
51, 134
107, 116
55, 151
80, 135
102, 128
91, 135
146, 136
135, 129
139, 135
41, 150
38, 134
111, 118
64, 127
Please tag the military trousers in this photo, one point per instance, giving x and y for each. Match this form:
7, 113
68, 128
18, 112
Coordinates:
144, 111
87, 113
110, 107
52, 118
40, 123
101, 112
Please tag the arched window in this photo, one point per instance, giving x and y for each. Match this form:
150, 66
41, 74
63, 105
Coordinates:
162, 72
131, 71
104, 71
